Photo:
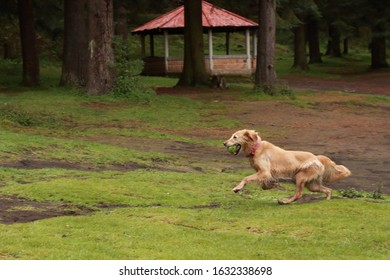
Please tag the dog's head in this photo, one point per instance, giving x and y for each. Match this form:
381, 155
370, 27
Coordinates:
245, 139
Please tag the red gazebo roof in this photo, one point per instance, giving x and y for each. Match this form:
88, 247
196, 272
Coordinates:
212, 17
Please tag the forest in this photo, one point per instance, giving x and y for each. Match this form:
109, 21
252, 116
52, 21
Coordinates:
62, 31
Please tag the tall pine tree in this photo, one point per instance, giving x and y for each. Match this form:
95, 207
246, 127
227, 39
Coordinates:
31, 73
265, 75
194, 69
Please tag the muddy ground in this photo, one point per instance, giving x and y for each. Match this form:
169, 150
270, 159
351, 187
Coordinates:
346, 128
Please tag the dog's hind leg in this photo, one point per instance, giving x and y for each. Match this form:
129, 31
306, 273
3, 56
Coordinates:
316, 186
309, 173
298, 193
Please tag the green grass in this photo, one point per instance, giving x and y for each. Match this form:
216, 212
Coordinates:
152, 213
196, 217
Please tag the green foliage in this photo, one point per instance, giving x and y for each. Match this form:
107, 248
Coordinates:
128, 84
353, 193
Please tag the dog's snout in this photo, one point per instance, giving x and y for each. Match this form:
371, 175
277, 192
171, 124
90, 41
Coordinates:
224, 143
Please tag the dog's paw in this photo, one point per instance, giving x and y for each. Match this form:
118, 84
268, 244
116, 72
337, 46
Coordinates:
236, 190
282, 202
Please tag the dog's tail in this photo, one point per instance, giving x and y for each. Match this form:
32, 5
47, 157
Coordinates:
333, 172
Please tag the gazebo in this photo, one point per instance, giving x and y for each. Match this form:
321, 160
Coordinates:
214, 19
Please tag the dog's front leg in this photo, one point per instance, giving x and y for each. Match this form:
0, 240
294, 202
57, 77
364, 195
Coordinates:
252, 178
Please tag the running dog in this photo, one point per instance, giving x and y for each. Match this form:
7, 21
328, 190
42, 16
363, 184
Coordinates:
273, 163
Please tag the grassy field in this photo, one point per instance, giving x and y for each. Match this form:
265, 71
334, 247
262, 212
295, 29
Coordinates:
129, 202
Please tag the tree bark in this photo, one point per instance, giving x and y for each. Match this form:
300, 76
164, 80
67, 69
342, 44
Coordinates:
334, 35
300, 48
120, 16
194, 69
75, 56
88, 58
378, 52
31, 74
314, 42
345, 46
265, 75
100, 70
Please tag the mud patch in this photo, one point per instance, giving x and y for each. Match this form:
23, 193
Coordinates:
19, 210
374, 82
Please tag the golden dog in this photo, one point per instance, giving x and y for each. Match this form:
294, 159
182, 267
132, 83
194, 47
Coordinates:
273, 163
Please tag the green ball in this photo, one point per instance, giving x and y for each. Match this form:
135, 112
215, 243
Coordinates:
232, 149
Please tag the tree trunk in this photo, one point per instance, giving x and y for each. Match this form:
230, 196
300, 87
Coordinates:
100, 72
314, 42
378, 52
345, 46
88, 58
120, 15
31, 74
75, 56
194, 69
300, 48
265, 70
334, 34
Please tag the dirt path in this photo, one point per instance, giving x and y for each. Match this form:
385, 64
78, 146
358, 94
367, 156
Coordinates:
356, 137
369, 83
344, 127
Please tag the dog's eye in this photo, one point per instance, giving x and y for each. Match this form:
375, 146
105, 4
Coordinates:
235, 137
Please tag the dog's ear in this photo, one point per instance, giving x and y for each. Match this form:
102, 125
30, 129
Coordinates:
251, 135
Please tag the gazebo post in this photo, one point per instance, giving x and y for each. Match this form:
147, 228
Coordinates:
248, 49
151, 43
227, 44
255, 44
211, 64
166, 50
143, 49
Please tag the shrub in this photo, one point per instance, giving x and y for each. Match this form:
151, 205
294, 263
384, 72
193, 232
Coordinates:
353, 193
128, 84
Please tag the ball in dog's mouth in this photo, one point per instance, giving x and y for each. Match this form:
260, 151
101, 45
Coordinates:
234, 149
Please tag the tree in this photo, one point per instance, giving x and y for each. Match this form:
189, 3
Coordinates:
333, 48
313, 40
100, 71
120, 17
378, 15
296, 12
194, 69
31, 74
88, 57
378, 49
265, 70
75, 56
300, 54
